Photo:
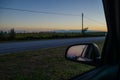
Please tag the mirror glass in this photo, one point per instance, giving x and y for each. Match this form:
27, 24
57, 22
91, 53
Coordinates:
81, 53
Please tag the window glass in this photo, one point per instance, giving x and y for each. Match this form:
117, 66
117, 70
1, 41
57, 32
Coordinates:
36, 33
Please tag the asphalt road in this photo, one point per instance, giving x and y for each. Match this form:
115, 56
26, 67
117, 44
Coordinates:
32, 45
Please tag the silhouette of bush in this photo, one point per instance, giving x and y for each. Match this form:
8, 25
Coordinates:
3, 36
12, 34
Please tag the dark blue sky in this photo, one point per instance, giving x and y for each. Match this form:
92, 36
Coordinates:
92, 9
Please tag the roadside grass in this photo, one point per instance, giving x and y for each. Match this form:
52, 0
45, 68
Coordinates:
43, 64
46, 35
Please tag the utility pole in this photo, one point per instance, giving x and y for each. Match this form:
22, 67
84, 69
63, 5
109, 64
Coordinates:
82, 23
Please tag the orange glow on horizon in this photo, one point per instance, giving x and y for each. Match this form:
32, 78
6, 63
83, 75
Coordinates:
51, 27
98, 28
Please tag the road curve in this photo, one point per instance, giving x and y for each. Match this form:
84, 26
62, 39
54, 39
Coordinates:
32, 45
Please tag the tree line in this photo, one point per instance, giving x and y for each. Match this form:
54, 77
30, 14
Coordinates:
10, 35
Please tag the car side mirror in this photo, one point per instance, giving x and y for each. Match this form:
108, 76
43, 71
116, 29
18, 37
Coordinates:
85, 53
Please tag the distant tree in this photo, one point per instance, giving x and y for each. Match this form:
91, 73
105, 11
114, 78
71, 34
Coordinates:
84, 30
12, 34
1, 35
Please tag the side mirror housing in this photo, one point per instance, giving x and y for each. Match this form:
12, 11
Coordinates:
86, 53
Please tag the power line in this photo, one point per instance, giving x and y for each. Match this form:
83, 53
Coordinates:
94, 20
47, 12
44, 12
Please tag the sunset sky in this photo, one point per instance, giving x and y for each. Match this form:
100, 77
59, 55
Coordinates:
94, 17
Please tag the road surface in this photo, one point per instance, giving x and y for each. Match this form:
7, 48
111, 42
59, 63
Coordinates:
32, 45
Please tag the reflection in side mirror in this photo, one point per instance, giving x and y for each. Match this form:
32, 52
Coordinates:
83, 53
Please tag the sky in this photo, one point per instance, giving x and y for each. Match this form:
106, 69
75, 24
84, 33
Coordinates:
93, 18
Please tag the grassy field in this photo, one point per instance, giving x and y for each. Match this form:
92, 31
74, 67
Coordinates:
55, 35
46, 35
43, 64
